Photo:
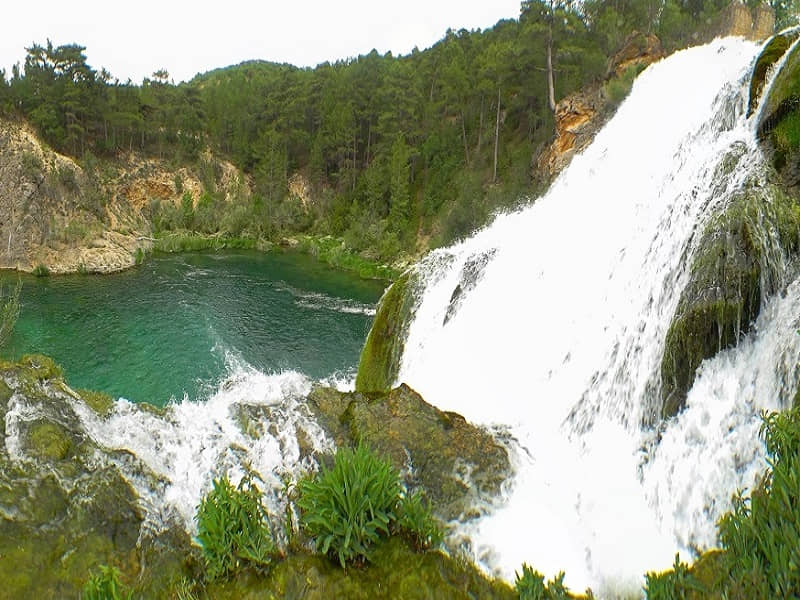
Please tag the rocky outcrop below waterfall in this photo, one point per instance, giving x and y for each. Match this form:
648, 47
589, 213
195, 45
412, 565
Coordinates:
62, 216
69, 504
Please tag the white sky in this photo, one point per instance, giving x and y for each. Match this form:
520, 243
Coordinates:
134, 38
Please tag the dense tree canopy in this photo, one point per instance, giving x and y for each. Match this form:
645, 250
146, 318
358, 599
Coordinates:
399, 149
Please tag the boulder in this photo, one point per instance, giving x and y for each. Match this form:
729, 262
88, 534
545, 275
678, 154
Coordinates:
458, 465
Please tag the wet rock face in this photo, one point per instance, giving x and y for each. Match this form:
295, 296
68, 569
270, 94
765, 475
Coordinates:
738, 262
457, 464
379, 364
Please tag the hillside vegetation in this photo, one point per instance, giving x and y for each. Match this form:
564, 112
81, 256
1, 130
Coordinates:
392, 154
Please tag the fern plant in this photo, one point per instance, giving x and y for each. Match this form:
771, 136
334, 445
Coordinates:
346, 509
233, 529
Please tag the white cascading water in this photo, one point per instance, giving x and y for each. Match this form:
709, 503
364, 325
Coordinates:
552, 323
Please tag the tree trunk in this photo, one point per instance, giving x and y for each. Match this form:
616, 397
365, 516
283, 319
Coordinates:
480, 130
551, 94
464, 137
496, 137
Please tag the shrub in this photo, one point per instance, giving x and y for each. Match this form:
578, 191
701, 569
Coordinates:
105, 586
675, 584
233, 529
41, 271
417, 522
346, 509
761, 535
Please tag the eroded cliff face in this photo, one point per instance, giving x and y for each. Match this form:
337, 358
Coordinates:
96, 217
580, 116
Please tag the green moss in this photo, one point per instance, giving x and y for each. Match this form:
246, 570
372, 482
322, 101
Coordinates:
5, 392
380, 358
396, 571
771, 53
49, 441
42, 367
735, 265
99, 402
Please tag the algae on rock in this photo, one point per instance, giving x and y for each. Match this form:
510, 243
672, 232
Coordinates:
380, 359
739, 261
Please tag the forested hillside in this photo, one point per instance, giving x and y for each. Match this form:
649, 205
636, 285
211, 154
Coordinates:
400, 153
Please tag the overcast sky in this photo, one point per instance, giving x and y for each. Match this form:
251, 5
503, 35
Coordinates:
137, 37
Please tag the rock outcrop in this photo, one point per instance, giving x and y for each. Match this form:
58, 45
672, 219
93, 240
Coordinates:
95, 217
579, 116
460, 466
737, 19
66, 506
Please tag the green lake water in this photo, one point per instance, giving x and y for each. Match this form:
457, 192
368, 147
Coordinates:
179, 323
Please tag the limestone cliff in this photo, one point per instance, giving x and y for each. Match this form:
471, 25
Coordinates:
92, 217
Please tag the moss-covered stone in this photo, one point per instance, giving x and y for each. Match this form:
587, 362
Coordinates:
99, 402
737, 263
772, 53
49, 441
455, 462
42, 367
396, 571
383, 350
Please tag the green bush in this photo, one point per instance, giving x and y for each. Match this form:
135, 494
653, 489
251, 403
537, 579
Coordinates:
233, 529
105, 586
761, 535
346, 509
41, 271
675, 584
417, 522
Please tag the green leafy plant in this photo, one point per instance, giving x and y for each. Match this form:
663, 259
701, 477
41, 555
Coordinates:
761, 535
416, 520
674, 584
346, 509
233, 528
105, 585
530, 585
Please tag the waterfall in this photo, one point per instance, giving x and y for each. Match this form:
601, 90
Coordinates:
551, 323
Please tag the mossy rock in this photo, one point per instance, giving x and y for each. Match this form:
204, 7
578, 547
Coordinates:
99, 402
779, 127
455, 462
380, 359
396, 571
773, 51
42, 367
49, 441
737, 263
